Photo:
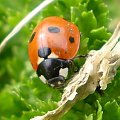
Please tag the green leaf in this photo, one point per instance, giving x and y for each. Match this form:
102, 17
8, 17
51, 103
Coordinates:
99, 112
90, 117
100, 33
87, 22
111, 111
100, 11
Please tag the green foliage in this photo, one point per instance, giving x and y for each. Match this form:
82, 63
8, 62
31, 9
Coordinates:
113, 109
22, 94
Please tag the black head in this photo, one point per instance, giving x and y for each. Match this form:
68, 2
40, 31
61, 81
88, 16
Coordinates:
50, 70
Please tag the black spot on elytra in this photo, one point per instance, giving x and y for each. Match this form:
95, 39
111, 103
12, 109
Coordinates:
44, 52
31, 38
53, 29
71, 39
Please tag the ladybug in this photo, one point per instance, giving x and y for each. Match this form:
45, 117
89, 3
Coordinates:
52, 46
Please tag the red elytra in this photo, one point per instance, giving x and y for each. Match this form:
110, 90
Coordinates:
61, 36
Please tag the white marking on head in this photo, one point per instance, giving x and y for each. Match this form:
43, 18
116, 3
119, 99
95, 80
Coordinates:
52, 55
43, 79
59, 83
52, 85
39, 60
63, 72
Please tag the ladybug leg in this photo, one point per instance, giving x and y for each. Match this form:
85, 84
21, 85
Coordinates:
57, 82
77, 57
81, 56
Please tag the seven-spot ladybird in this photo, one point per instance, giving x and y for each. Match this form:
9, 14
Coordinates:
52, 46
